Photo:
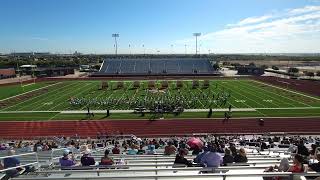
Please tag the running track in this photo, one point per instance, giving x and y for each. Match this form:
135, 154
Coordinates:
29, 129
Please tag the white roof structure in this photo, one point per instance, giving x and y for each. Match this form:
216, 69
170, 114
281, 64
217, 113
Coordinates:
28, 66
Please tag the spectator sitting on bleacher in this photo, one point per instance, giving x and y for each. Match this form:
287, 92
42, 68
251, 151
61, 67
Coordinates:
86, 159
106, 160
313, 151
233, 149
212, 158
181, 160
315, 166
283, 167
141, 150
116, 149
297, 166
151, 150
302, 149
228, 158
2, 147
132, 151
241, 157
11, 162
198, 158
66, 160
170, 149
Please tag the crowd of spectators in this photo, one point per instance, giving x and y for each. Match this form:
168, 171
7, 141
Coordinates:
214, 151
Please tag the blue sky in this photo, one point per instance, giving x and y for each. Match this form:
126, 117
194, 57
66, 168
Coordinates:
227, 26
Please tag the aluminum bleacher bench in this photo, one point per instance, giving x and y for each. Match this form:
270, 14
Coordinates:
95, 167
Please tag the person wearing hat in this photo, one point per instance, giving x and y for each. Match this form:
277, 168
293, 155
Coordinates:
66, 160
87, 159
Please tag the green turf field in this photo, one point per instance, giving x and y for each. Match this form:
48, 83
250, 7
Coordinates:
12, 90
247, 98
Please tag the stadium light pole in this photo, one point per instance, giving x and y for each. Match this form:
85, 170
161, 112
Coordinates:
196, 35
144, 50
115, 36
185, 49
171, 49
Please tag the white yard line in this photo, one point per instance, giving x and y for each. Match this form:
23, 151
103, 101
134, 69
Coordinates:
287, 90
245, 98
289, 98
28, 84
43, 100
249, 105
30, 91
33, 98
106, 98
81, 91
54, 116
259, 97
229, 100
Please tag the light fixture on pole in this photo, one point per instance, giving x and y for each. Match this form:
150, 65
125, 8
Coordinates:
115, 36
196, 35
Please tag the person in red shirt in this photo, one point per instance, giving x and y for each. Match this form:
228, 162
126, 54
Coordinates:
297, 166
116, 150
106, 160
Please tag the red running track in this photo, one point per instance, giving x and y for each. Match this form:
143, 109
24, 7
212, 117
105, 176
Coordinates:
30, 129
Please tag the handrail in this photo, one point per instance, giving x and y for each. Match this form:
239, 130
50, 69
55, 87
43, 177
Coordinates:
18, 155
20, 166
123, 170
218, 169
36, 162
171, 164
174, 176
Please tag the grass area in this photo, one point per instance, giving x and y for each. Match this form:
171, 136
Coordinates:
13, 90
77, 95
99, 116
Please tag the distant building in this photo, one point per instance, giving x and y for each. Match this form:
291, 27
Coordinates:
30, 54
45, 72
84, 68
7, 73
250, 70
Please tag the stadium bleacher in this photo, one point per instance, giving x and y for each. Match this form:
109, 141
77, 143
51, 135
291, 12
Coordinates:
155, 67
157, 166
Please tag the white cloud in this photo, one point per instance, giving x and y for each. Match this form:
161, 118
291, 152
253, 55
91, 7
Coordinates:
294, 30
305, 9
39, 38
251, 20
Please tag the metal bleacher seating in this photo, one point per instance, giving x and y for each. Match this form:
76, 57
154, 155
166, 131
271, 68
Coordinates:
156, 66
153, 167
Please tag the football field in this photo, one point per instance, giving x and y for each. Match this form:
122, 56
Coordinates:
65, 100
